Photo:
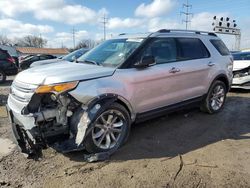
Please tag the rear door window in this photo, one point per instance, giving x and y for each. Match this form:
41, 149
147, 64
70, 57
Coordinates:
220, 47
191, 48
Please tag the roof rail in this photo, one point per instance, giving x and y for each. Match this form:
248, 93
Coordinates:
186, 31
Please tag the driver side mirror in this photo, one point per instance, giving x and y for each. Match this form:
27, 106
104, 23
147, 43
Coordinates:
146, 61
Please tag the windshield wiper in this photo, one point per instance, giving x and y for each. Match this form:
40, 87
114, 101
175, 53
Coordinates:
91, 62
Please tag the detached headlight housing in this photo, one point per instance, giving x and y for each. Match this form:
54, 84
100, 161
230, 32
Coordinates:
56, 88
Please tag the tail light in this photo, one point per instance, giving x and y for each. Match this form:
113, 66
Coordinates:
11, 60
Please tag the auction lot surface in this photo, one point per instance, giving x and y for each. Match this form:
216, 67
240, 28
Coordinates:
184, 149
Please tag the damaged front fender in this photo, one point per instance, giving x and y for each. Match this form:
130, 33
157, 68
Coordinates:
89, 112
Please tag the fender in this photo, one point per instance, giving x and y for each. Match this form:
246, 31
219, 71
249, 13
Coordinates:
116, 98
224, 78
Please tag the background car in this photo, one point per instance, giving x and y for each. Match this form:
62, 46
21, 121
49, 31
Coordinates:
73, 56
7, 65
27, 61
241, 70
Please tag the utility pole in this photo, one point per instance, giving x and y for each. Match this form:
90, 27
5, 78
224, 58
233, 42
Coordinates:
40, 43
187, 13
104, 22
73, 36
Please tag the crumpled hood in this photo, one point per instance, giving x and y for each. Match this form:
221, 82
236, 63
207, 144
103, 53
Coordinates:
240, 64
47, 61
62, 72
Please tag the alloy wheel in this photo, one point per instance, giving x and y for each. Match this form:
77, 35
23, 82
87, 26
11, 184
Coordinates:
108, 129
217, 97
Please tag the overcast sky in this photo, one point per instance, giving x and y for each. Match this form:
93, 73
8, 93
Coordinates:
54, 19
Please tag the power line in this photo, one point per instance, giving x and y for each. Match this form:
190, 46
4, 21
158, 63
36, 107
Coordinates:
187, 13
104, 22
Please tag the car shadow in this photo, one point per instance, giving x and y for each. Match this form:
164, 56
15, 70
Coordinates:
184, 131
238, 90
3, 99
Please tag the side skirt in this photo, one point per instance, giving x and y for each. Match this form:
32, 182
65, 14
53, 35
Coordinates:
195, 102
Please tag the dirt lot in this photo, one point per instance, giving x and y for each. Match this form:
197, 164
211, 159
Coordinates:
184, 149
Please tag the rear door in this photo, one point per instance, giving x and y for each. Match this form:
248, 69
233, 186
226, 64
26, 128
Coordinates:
195, 64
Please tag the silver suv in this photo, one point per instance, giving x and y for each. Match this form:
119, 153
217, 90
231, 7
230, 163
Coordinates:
91, 104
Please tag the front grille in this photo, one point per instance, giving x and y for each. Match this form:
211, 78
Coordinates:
22, 91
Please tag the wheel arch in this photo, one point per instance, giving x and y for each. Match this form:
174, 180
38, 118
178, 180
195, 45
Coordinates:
115, 98
224, 79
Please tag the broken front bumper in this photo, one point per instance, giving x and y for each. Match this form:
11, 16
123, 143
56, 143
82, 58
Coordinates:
241, 82
22, 126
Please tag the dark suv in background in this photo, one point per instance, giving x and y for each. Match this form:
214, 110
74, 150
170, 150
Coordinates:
7, 65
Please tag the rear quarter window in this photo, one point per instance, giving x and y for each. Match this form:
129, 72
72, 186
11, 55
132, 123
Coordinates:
191, 48
220, 47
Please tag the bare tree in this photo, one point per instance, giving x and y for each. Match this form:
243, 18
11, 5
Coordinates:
31, 41
5, 40
86, 43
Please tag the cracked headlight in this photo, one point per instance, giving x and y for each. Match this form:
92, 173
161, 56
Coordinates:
56, 88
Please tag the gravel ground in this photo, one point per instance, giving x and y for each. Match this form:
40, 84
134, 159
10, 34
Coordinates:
184, 149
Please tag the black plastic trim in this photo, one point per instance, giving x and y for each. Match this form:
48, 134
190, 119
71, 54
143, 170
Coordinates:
140, 117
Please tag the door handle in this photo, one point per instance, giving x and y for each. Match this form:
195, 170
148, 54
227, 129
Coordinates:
210, 64
174, 70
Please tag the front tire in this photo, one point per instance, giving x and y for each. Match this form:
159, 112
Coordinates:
215, 98
109, 130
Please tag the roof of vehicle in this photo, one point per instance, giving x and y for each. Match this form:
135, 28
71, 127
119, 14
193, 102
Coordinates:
163, 32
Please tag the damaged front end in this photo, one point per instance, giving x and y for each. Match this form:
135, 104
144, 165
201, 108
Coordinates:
48, 116
241, 78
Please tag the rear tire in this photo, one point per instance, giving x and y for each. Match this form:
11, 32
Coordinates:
109, 130
215, 98
2, 77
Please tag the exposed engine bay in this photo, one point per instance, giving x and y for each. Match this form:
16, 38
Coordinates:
61, 123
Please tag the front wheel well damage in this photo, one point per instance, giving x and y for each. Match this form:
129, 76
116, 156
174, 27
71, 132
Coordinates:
116, 98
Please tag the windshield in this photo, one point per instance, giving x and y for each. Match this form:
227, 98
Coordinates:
111, 53
75, 55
